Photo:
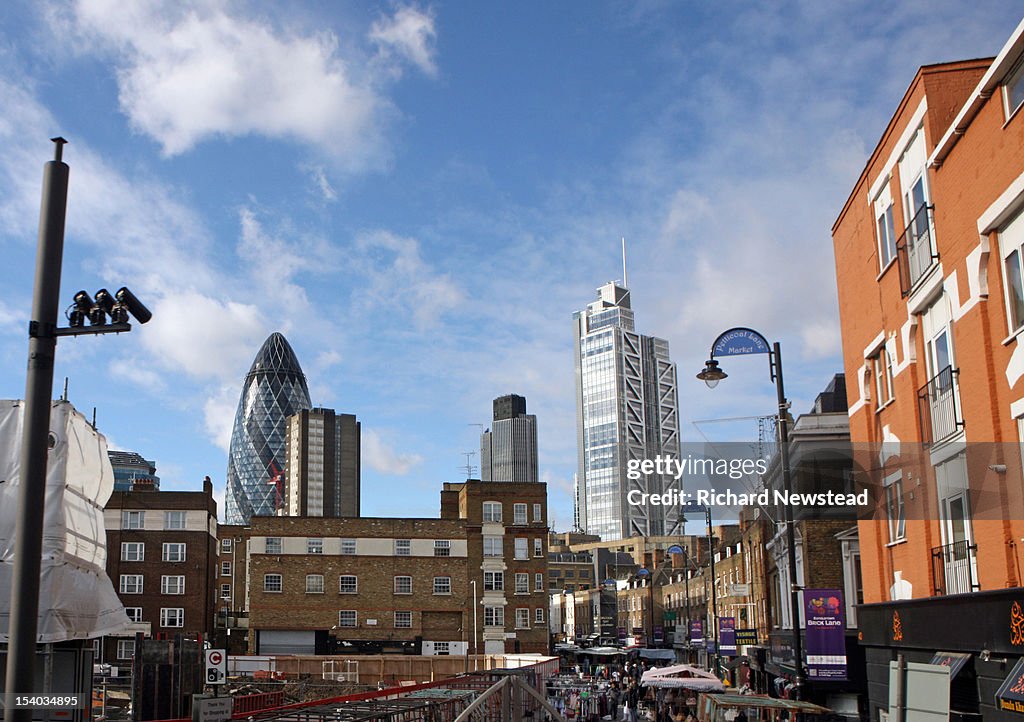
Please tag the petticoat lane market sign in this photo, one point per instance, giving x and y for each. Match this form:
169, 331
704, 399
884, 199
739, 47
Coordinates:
739, 342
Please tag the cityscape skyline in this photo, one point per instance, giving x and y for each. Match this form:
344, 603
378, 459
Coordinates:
255, 220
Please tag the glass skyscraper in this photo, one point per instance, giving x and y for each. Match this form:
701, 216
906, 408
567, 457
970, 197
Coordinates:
508, 450
627, 407
274, 389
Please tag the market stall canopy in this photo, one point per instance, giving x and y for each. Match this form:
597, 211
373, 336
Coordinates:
682, 676
667, 654
602, 651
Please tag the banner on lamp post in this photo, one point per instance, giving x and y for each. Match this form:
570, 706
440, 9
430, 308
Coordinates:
697, 631
727, 635
826, 633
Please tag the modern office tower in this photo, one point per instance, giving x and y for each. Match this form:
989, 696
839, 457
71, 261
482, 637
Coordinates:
627, 407
274, 389
132, 472
321, 468
508, 450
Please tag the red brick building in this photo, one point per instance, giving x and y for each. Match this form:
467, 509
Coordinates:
928, 261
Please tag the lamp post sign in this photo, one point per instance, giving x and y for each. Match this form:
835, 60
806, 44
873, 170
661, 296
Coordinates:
727, 634
697, 631
826, 633
739, 342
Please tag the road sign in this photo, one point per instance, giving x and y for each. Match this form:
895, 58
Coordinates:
211, 709
739, 590
216, 666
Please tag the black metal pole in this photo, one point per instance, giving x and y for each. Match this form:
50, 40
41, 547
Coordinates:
787, 481
22, 625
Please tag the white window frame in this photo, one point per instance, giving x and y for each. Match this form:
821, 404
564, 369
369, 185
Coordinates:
346, 621
271, 580
225, 545
494, 616
225, 592
519, 514
134, 614
133, 520
314, 584
1010, 243
125, 648
273, 545
133, 551
348, 547
166, 548
494, 581
522, 548
538, 582
343, 582
522, 583
894, 497
538, 512
403, 547
176, 520
314, 545
522, 617
169, 614
403, 584
442, 548
538, 548
491, 511
442, 585
131, 584
538, 615
491, 541
883, 211
1014, 77
406, 621
173, 584
225, 569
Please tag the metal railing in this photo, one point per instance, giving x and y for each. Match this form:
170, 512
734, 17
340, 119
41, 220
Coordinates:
937, 407
953, 568
915, 249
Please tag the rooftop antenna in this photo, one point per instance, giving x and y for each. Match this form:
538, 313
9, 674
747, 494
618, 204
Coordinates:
469, 463
64, 397
625, 278
93, 418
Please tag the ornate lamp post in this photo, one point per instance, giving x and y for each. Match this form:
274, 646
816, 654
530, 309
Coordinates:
744, 342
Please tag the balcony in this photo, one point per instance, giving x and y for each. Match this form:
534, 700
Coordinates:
953, 568
915, 249
937, 407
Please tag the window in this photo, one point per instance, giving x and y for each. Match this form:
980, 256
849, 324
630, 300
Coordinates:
172, 617
403, 547
522, 548
314, 584
442, 585
519, 514
894, 501
133, 552
522, 619
125, 648
131, 584
522, 583
1011, 244
494, 581
403, 620
538, 616
538, 547
348, 546
885, 227
348, 584
492, 511
172, 584
225, 569
225, 592
1013, 90
134, 614
314, 546
225, 545
442, 548
173, 552
273, 545
494, 616
133, 519
442, 648
403, 585
347, 618
174, 520
538, 582
492, 546
272, 582
538, 512
881, 369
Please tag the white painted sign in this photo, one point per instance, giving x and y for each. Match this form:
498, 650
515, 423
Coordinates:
739, 590
216, 666
211, 709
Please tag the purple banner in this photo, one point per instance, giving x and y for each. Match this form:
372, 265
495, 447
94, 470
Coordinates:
727, 635
622, 635
659, 633
697, 631
826, 633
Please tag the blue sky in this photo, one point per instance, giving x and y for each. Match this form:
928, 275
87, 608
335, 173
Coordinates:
420, 195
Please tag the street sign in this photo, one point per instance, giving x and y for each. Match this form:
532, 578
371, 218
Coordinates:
216, 666
739, 590
211, 709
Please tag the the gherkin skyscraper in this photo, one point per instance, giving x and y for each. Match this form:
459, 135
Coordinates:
274, 389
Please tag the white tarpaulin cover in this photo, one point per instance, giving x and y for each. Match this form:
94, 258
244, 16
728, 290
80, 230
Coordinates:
682, 676
76, 598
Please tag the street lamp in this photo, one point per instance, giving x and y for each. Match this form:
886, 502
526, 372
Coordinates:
43, 333
744, 342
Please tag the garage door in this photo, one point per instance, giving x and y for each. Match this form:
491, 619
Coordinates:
284, 641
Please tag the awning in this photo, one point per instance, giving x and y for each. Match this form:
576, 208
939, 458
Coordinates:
667, 654
1010, 695
602, 651
682, 676
954, 660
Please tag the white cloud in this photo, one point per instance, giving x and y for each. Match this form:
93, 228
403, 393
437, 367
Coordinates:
219, 414
410, 34
381, 456
137, 373
194, 71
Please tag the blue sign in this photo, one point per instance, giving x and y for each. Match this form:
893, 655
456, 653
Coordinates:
739, 342
727, 635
